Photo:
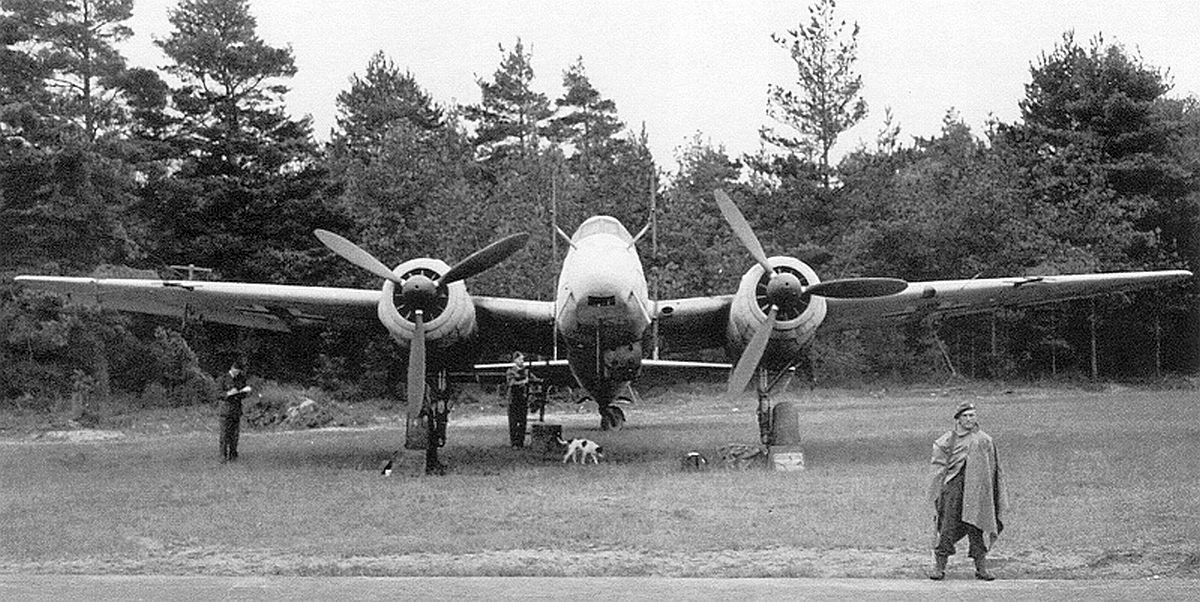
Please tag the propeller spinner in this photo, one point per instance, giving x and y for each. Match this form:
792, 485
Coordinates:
420, 292
784, 292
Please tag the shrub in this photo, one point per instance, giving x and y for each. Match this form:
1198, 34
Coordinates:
278, 406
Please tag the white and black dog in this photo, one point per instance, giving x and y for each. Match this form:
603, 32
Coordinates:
581, 450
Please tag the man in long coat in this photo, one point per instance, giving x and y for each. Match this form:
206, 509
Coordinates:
966, 491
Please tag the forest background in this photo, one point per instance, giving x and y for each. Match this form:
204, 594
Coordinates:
109, 170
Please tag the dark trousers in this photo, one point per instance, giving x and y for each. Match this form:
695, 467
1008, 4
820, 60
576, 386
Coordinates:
518, 415
231, 426
951, 528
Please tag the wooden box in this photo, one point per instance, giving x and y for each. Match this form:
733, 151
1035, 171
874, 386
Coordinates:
787, 458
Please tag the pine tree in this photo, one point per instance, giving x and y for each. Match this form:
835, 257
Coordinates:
603, 172
75, 43
402, 167
247, 192
382, 98
1097, 148
63, 182
583, 118
825, 101
511, 115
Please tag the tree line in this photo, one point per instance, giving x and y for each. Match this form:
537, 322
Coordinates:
112, 170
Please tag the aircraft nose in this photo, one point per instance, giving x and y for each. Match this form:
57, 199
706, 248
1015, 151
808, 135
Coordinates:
602, 297
602, 288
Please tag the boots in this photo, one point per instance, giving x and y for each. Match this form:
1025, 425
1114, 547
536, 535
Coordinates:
939, 568
981, 571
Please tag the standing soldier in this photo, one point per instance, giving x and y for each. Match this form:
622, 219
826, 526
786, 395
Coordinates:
233, 389
966, 492
517, 378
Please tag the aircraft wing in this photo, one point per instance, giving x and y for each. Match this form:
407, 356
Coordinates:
267, 306
961, 297
507, 325
693, 323
527, 325
555, 372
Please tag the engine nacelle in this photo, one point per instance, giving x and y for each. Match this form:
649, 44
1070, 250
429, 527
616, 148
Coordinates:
451, 319
794, 326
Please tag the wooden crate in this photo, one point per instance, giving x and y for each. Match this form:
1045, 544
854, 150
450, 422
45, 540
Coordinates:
786, 458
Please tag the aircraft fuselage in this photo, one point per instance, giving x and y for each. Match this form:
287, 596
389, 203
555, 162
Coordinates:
603, 307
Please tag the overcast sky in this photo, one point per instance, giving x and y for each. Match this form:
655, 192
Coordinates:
682, 67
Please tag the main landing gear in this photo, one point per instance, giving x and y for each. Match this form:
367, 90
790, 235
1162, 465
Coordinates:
612, 417
777, 423
437, 415
427, 430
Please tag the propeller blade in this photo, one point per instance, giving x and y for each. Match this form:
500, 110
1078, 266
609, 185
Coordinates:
484, 258
748, 363
741, 228
416, 368
356, 255
857, 288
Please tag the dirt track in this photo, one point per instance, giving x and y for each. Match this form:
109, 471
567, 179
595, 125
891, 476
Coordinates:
60, 587
157, 558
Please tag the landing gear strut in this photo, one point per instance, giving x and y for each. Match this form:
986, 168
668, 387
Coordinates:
612, 418
766, 386
437, 438
437, 414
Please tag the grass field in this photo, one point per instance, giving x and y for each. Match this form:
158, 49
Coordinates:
1102, 484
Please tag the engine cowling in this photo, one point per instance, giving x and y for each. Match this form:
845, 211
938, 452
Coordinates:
449, 320
796, 320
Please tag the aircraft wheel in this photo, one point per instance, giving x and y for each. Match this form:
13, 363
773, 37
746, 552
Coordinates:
612, 418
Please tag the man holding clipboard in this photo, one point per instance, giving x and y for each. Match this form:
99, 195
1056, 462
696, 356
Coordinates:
233, 389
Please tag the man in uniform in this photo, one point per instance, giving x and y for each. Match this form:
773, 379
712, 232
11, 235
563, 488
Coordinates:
233, 389
966, 492
517, 378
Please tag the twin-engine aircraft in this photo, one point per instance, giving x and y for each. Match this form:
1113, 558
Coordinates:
602, 317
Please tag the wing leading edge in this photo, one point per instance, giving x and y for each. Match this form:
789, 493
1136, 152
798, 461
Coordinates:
276, 307
962, 297
280, 307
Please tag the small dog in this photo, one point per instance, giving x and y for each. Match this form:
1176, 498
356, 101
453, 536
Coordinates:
581, 450
693, 461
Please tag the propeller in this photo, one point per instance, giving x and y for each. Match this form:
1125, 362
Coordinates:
356, 255
420, 293
785, 292
741, 228
484, 258
748, 362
